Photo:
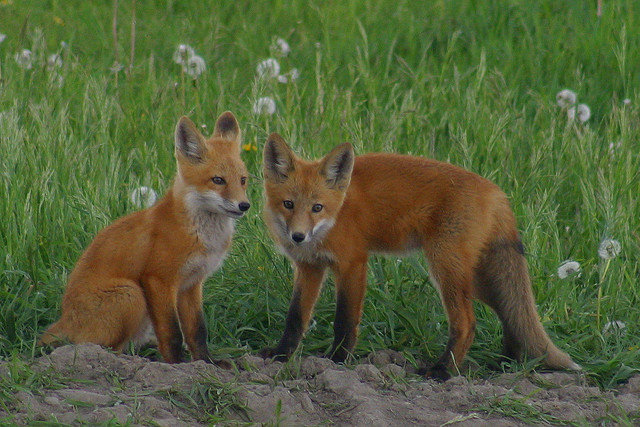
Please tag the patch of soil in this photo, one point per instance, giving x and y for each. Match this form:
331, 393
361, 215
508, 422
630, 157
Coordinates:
88, 384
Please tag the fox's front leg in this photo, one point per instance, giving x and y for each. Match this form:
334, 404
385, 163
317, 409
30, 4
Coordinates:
307, 284
351, 284
192, 322
161, 302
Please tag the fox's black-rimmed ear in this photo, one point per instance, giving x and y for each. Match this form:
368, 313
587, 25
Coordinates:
338, 165
277, 159
227, 127
190, 144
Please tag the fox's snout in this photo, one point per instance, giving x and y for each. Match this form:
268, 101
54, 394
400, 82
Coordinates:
298, 237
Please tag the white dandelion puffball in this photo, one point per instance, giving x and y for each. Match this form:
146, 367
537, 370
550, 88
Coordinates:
566, 98
282, 47
613, 326
568, 268
609, 249
266, 106
584, 112
626, 101
143, 197
116, 67
54, 61
2, 37
25, 59
182, 54
195, 66
269, 69
614, 146
290, 76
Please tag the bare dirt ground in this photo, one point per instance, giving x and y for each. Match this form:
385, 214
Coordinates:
87, 384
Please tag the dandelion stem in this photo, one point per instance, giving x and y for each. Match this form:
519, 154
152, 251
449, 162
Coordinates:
598, 305
604, 272
183, 89
133, 36
114, 29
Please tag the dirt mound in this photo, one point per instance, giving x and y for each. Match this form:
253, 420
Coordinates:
87, 384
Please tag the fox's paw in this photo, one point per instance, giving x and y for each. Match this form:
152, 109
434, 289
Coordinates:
436, 372
223, 363
274, 354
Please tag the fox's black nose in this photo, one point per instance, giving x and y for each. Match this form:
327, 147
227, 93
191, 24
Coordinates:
297, 237
244, 206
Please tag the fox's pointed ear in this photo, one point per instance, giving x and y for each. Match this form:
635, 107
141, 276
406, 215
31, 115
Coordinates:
338, 165
277, 159
190, 143
227, 127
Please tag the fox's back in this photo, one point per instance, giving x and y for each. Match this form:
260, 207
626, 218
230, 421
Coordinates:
396, 200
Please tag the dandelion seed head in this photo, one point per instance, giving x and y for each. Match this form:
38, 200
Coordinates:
195, 66
265, 106
268, 69
2, 37
182, 54
54, 61
294, 74
64, 45
584, 112
613, 326
116, 67
143, 197
24, 59
568, 268
282, 78
566, 98
281, 47
609, 249
614, 146
626, 101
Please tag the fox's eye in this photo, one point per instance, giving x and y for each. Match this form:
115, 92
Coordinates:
288, 204
317, 207
243, 180
218, 180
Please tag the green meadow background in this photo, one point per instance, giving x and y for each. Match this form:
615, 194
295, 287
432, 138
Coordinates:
469, 82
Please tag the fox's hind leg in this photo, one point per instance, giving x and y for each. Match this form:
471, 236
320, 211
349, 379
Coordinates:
453, 279
110, 315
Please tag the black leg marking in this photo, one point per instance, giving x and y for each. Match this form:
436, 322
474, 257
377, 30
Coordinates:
292, 333
344, 331
175, 341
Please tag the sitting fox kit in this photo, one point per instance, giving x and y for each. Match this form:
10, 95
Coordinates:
147, 268
332, 213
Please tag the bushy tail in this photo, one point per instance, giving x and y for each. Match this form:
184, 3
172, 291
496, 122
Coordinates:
505, 286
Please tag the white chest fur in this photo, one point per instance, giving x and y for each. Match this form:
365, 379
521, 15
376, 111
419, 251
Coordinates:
214, 232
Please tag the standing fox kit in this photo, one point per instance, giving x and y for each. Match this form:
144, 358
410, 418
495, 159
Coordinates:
332, 213
148, 267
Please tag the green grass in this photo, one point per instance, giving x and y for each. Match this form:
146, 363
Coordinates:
469, 82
